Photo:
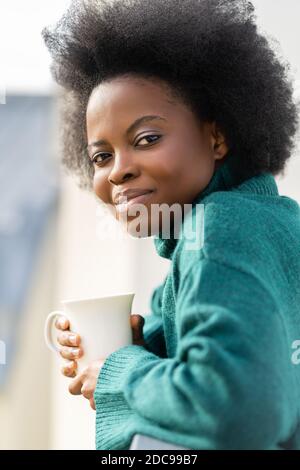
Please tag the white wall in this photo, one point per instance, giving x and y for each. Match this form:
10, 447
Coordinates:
25, 402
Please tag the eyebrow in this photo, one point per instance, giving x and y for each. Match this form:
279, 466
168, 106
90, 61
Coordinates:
131, 128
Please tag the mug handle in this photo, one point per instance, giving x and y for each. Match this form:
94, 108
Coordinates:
48, 329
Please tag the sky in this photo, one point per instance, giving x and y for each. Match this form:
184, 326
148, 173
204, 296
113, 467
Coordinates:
24, 59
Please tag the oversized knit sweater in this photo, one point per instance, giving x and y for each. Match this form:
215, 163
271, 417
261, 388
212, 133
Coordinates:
217, 370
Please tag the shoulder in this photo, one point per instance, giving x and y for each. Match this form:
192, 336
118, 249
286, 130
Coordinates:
234, 228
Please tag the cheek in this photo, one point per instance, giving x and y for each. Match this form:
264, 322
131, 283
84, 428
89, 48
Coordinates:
166, 164
182, 171
176, 164
100, 186
192, 157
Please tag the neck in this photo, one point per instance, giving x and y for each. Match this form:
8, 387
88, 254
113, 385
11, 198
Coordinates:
222, 179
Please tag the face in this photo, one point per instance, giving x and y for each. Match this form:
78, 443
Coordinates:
170, 153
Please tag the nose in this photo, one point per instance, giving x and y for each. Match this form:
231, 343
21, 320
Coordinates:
124, 168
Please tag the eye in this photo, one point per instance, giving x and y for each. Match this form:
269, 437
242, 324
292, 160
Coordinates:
150, 136
102, 154
95, 158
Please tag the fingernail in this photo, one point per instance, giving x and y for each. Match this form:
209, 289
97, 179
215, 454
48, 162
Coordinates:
75, 352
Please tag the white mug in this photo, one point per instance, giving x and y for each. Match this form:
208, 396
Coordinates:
103, 324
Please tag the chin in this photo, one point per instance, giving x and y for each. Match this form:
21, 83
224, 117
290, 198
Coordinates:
136, 229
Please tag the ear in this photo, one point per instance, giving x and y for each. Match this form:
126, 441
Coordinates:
219, 144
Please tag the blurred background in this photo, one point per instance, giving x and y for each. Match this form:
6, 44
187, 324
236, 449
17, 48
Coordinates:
51, 243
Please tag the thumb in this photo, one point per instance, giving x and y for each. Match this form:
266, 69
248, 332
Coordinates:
137, 323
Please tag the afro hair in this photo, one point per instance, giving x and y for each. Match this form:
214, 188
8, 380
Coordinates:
209, 53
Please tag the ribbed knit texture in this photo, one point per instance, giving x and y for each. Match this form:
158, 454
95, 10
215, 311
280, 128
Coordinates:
216, 372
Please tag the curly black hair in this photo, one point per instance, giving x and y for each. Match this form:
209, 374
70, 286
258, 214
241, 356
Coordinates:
208, 52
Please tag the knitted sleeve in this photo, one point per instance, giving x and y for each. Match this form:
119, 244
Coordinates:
153, 326
229, 386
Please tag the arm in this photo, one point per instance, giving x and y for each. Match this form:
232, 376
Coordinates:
227, 386
153, 326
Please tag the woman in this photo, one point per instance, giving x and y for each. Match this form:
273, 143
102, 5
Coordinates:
186, 101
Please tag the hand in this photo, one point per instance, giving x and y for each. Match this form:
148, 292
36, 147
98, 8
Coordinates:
71, 349
70, 341
85, 383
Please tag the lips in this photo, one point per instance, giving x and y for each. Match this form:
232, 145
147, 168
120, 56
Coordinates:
125, 202
129, 194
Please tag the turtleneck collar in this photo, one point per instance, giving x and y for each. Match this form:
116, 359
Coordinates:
222, 180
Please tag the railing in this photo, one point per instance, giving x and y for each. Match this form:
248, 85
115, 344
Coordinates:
141, 442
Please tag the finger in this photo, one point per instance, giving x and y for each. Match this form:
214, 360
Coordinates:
68, 339
137, 323
62, 323
86, 391
70, 369
71, 353
75, 385
92, 403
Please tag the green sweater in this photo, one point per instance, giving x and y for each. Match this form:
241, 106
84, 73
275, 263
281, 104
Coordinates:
217, 372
